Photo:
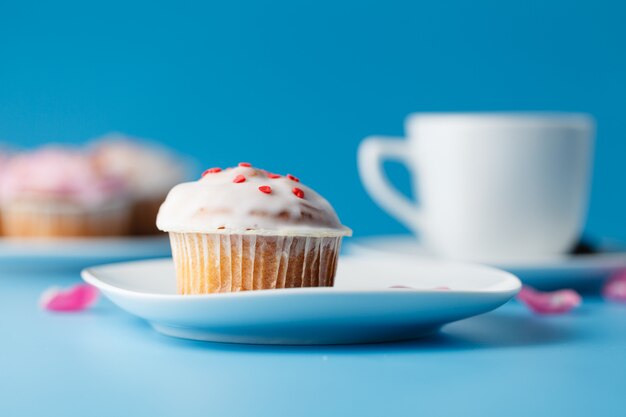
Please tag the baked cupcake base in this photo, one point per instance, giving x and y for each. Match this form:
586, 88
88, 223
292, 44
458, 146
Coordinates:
212, 263
60, 219
144, 214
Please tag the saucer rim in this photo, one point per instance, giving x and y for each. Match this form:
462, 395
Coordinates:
615, 256
513, 283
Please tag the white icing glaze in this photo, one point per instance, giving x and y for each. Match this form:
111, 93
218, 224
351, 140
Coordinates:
149, 169
215, 204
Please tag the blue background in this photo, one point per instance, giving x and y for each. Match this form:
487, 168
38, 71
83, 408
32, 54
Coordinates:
294, 86
508, 363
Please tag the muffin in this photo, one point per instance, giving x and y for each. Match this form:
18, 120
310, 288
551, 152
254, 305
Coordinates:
243, 229
54, 192
149, 170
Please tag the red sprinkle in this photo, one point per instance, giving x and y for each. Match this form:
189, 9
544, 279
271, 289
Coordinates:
270, 175
239, 178
245, 164
298, 192
211, 171
292, 178
265, 189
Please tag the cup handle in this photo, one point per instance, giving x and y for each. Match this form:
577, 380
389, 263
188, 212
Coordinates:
372, 152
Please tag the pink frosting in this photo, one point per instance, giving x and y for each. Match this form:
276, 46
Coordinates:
61, 173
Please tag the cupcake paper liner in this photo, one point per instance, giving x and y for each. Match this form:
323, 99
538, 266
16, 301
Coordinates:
29, 219
211, 263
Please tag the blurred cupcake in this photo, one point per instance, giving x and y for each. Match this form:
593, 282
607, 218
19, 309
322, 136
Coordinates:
246, 229
55, 192
150, 171
4, 158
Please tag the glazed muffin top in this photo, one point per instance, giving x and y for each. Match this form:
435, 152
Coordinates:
245, 199
59, 174
150, 170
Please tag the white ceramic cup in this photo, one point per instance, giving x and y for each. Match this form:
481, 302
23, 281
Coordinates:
492, 187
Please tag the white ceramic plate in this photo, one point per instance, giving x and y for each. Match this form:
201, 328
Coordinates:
361, 308
80, 252
550, 272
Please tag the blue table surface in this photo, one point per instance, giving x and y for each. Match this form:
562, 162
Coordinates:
105, 362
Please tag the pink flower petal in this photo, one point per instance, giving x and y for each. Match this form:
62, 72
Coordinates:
555, 302
615, 288
76, 298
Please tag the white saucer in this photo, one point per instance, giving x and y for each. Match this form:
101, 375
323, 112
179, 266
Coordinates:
80, 252
545, 273
361, 308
